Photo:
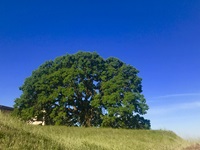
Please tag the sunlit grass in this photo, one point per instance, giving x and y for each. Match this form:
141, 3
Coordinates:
15, 134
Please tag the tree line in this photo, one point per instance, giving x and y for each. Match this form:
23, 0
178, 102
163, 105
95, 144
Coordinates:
83, 89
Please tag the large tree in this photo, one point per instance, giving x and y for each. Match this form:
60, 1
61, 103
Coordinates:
84, 90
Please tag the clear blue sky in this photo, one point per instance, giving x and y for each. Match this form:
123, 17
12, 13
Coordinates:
161, 38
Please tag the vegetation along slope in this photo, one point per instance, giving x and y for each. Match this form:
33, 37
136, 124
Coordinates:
15, 134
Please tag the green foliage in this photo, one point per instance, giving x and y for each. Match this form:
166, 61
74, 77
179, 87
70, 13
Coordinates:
84, 90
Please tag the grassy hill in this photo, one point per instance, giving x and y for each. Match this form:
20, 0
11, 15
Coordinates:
15, 134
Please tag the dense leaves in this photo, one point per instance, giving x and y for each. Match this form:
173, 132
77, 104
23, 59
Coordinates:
84, 90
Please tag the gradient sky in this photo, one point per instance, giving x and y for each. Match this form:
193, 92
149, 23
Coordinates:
161, 38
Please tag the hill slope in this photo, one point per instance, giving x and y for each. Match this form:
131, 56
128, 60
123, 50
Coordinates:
15, 134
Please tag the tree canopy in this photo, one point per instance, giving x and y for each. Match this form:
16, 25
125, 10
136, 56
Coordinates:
84, 89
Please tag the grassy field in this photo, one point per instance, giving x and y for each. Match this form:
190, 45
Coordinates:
15, 134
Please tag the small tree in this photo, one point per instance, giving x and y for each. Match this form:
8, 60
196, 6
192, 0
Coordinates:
84, 90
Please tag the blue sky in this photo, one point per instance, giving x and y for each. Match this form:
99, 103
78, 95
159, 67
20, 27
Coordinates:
159, 37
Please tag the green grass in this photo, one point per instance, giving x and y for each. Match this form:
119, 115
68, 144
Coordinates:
15, 134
